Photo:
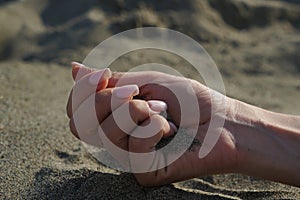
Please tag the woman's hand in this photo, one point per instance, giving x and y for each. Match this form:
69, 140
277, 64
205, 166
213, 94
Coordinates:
152, 86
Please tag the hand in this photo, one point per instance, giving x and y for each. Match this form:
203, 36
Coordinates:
107, 101
223, 157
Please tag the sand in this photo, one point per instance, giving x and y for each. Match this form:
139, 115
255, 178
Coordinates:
258, 56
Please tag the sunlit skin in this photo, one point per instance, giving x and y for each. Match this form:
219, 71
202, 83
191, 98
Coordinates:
253, 141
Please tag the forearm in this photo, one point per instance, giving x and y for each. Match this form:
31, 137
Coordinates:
267, 143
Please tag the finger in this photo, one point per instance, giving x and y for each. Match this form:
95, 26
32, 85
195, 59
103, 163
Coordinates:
138, 78
116, 130
160, 86
114, 135
90, 136
85, 87
111, 101
145, 137
79, 70
84, 123
172, 131
142, 143
92, 111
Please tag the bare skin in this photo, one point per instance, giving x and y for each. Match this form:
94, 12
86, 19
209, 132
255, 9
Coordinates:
253, 141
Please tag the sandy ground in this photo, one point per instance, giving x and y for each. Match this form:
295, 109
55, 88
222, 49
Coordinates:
257, 54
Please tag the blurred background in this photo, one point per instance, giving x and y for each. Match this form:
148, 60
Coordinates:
258, 39
255, 44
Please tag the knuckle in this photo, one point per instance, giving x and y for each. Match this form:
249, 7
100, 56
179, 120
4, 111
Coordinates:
117, 78
160, 120
139, 110
134, 105
117, 74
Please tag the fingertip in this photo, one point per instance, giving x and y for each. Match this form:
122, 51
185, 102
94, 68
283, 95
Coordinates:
102, 85
75, 69
106, 74
157, 106
79, 70
171, 130
173, 126
126, 91
100, 77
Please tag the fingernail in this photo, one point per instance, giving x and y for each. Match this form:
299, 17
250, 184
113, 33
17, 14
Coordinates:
97, 76
126, 91
157, 106
77, 64
173, 126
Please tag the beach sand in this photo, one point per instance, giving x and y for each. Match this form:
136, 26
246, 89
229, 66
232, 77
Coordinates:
258, 57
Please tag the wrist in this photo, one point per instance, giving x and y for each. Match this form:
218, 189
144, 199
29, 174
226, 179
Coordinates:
267, 143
